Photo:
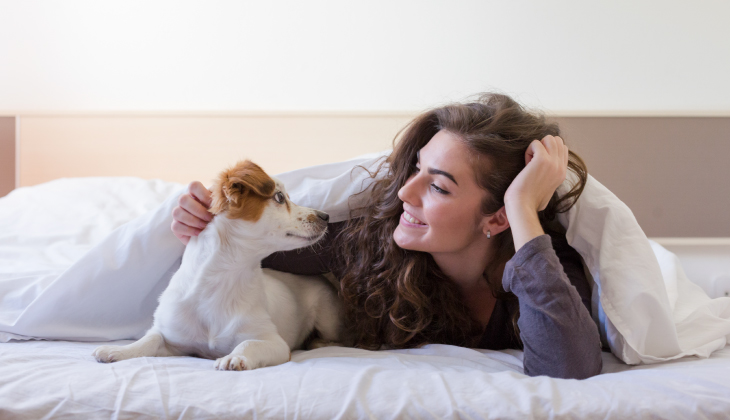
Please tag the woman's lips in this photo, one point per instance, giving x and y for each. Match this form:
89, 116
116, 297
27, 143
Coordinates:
409, 220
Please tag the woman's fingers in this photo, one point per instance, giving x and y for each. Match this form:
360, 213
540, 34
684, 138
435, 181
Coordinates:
194, 207
180, 215
184, 232
184, 239
191, 215
553, 144
532, 150
557, 148
200, 193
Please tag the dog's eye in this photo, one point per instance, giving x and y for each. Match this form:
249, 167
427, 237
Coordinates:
279, 197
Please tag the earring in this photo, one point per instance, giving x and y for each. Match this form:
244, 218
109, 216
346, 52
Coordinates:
489, 234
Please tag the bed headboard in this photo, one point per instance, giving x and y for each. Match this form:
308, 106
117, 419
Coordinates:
182, 148
672, 172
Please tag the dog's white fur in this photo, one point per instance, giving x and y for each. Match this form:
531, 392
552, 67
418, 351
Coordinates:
222, 305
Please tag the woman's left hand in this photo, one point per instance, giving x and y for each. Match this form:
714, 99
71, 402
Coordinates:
546, 167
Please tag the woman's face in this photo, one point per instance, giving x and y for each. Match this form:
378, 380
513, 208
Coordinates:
441, 200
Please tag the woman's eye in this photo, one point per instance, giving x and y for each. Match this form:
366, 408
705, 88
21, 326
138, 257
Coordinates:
279, 197
439, 190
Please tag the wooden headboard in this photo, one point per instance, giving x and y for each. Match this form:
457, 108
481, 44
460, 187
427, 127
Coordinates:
673, 172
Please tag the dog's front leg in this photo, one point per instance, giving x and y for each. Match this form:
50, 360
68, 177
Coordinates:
269, 350
151, 345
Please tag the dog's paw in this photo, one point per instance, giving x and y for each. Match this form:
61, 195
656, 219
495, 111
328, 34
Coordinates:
109, 354
231, 362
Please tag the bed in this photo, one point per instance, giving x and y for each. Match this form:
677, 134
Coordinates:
48, 226
43, 379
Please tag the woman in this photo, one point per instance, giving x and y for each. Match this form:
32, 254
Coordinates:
458, 243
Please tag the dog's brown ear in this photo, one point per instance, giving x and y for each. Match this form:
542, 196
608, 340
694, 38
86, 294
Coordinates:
243, 191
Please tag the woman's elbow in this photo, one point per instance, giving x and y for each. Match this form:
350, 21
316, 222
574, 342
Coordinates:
591, 367
586, 364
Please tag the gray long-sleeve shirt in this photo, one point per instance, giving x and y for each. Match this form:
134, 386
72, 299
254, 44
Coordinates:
554, 299
559, 337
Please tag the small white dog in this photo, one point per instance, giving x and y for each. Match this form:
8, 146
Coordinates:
221, 304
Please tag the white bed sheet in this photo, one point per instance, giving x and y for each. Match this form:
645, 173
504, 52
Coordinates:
60, 379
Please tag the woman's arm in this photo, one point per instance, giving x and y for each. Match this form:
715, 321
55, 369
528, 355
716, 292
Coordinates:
191, 216
559, 336
312, 260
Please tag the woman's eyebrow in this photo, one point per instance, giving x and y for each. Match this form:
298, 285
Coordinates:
433, 171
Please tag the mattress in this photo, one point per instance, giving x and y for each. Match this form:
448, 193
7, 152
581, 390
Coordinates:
60, 379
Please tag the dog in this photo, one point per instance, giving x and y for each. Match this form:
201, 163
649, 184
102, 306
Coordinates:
221, 304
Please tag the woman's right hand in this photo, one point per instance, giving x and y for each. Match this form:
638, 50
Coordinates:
191, 215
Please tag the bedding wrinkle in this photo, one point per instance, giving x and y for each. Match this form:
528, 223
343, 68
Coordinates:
163, 385
59, 408
445, 388
309, 406
356, 399
295, 383
122, 391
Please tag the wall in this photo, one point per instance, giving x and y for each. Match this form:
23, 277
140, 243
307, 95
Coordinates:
7, 155
618, 57
671, 172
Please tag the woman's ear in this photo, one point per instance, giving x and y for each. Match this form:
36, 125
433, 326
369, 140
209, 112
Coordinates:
496, 222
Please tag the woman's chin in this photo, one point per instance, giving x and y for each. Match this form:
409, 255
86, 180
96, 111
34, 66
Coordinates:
404, 240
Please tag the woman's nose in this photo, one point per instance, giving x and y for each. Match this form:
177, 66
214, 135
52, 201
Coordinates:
408, 193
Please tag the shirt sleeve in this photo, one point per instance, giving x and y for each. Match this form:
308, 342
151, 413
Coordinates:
311, 260
559, 336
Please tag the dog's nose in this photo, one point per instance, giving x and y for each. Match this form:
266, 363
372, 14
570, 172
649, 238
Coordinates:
322, 215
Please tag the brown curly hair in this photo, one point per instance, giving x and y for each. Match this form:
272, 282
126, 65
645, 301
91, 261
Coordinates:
400, 298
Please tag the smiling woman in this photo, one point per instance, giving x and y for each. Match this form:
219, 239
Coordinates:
456, 242
452, 244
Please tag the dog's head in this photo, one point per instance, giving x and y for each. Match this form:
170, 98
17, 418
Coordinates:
261, 210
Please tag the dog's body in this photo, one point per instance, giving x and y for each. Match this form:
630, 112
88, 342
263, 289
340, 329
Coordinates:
221, 304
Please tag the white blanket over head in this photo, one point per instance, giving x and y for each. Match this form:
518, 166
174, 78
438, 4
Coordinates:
85, 259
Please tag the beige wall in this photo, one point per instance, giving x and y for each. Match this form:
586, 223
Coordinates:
185, 148
7, 155
673, 173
